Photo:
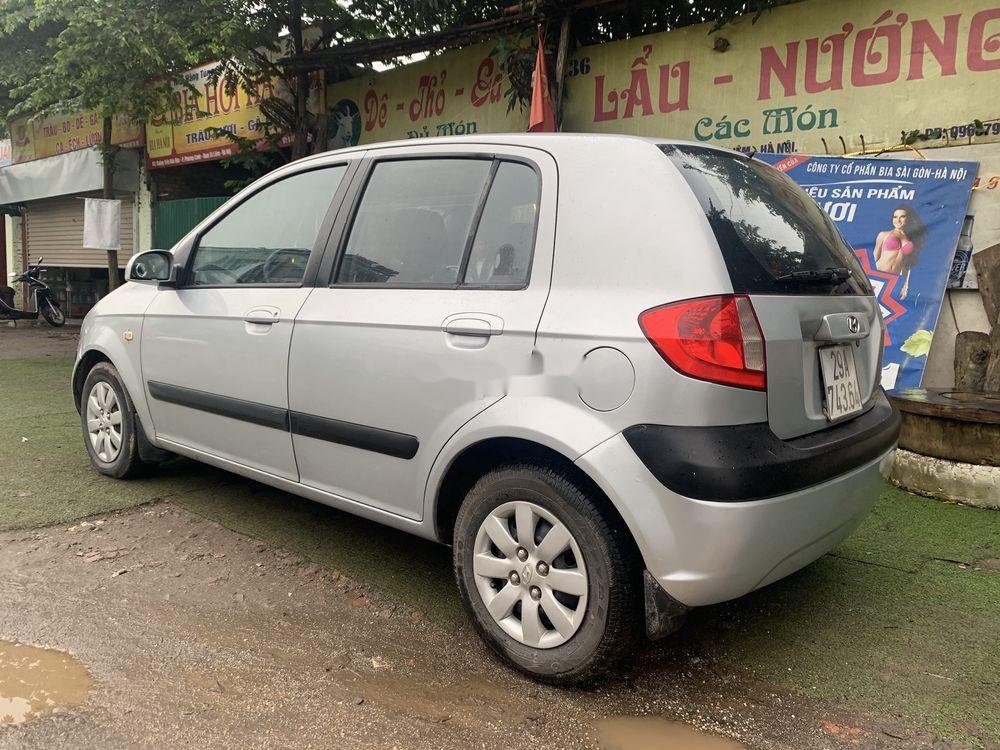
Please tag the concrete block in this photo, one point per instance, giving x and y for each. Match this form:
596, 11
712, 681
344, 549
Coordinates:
970, 484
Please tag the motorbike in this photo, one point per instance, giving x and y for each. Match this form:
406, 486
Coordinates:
45, 303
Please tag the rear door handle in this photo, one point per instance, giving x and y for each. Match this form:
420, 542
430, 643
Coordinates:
843, 327
473, 324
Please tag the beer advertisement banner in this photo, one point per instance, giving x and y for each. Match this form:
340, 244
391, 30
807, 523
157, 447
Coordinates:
457, 93
40, 137
185, 134
188, 132
903, 219
812, 77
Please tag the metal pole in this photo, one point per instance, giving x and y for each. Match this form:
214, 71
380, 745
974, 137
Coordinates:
3, 250
561, 66
24, 255
108, 155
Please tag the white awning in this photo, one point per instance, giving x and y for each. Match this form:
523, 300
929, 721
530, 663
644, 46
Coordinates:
66, 174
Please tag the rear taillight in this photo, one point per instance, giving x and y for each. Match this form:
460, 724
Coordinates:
711, 338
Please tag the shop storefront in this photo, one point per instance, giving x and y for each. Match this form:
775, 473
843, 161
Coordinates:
187, 151
47, 197
184, 195
78, 276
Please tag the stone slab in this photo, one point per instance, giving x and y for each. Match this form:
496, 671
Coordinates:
949, 424
948, 403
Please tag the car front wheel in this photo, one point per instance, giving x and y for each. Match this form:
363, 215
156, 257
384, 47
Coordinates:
549, 580
109, 424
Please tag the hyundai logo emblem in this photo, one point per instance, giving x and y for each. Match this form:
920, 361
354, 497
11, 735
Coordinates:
853, 324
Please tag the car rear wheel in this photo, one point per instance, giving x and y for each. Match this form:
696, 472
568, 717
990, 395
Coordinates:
549, 580
109, 424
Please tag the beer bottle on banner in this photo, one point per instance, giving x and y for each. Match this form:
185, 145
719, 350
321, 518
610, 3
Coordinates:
963, 254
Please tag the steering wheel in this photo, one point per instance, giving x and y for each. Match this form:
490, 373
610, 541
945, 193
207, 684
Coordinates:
210, 275
282, 261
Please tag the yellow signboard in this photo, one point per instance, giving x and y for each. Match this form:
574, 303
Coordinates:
457, 93
200, 110
187, 134
40, 137
816, 77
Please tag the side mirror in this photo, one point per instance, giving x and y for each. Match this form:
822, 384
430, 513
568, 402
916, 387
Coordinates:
155, 265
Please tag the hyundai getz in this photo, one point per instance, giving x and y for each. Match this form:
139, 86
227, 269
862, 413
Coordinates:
622, 377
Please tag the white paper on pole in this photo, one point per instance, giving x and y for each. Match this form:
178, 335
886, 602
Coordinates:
102, 221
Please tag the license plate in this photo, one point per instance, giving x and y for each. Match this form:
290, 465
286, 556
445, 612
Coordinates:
841, 391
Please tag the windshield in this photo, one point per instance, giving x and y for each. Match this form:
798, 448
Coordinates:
773, 236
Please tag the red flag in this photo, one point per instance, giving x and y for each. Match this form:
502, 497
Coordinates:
542, 118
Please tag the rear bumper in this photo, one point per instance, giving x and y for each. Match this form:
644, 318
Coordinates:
703, 551
748, 462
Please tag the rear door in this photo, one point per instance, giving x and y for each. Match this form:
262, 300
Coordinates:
215, 350
820, 322
429, 316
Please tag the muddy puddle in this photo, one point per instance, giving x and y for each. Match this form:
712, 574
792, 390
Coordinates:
650, 733
38, 682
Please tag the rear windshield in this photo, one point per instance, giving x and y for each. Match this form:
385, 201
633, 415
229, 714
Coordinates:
773, 236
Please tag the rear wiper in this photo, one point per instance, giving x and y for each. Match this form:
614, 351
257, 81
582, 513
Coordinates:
840, 273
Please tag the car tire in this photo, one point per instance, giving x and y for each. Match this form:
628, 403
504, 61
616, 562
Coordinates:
570, 638
110, 424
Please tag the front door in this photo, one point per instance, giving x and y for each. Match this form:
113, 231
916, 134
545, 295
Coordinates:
429, 318
215, 350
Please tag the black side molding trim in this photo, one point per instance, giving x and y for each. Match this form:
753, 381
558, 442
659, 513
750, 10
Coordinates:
749, 462
375, 439
224, 406
397, 444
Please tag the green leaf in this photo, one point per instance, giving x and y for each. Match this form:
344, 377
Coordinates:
919, 344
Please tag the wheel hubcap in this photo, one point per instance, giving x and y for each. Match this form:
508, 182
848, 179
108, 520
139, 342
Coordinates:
104, 422
530, 574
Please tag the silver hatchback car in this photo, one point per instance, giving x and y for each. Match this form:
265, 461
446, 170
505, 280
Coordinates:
622, 377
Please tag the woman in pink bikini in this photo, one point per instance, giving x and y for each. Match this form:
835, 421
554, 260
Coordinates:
897, 249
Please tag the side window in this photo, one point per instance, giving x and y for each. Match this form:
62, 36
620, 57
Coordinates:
413, 222
501, 250
268, 238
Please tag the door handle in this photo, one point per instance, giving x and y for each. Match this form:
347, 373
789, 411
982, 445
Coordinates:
469, 327
473, 324
262, 316
843, 327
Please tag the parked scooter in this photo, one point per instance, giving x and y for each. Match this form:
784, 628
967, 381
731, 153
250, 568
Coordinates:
45, 303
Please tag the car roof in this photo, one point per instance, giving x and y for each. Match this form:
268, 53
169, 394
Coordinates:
545, 141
